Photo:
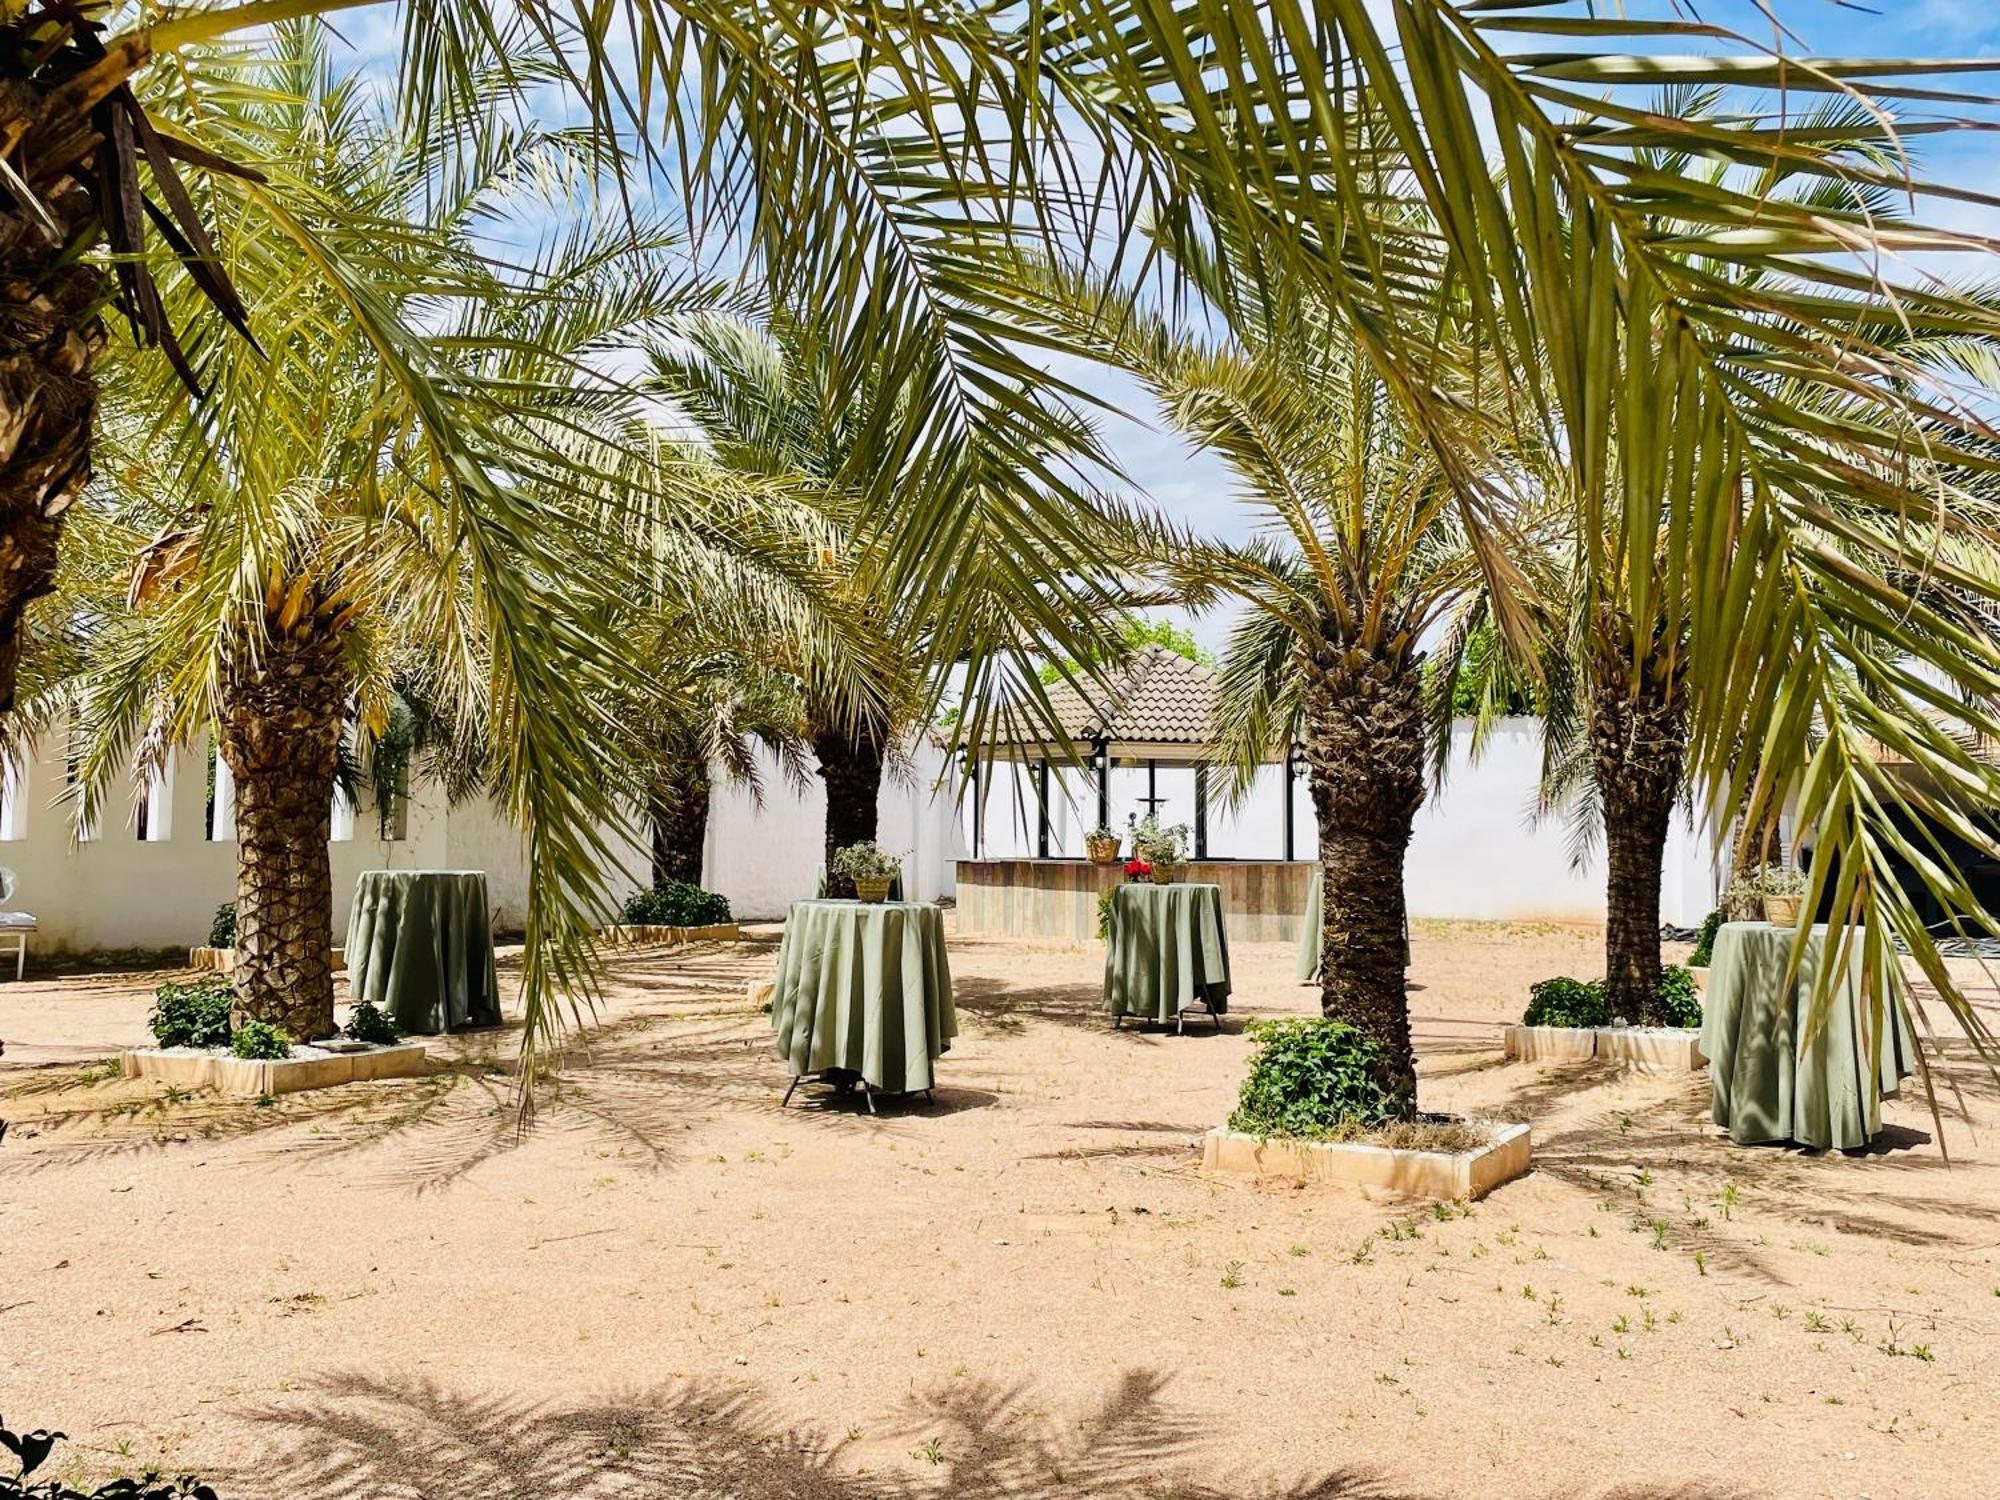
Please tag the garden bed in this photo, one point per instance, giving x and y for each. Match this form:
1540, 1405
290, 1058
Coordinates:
309, 1067
1419, 1173
634, 935
1662, 1049
223, 960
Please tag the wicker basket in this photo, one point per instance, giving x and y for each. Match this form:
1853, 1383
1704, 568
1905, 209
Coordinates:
874, 891
1165, 874
1781, 911
1102, 851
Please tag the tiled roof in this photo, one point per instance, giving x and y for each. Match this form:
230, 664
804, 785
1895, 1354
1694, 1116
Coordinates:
1163, 699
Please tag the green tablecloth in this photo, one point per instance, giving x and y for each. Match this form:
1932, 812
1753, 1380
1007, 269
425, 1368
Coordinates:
1309, 932
420, 946
1772, 1077
866, 988
1166, 951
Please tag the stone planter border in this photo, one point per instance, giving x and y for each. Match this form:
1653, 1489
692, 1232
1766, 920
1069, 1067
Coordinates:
627, 935
1664, 1049
1421, 1174
190, 1069
223, 960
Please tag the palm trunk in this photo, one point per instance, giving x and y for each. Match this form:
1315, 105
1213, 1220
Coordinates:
1364, 747
850, 763
281, 717
679, 815
50, 339
1637, 741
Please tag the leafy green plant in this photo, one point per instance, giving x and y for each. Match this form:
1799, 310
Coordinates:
1104, 899
31, 1451
1159, 846
193, 1014
222, 931
1704, 943
1679, 998
260, 1041
1313, 1077
1563, 1001
675, 903
867, 860
369, 1024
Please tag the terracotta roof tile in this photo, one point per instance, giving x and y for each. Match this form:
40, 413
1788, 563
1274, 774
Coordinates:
1163, 699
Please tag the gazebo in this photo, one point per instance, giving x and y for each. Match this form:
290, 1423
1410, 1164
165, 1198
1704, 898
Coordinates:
1138, 748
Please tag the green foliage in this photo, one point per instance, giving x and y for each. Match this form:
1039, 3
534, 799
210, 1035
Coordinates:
31, 1451
675, 903
1138, 631
1679, 998
1159, 846
222, 931
1563, 1001
1580, 1002
369, 1024
1315, 1078
1104, 899
867, 860
1483, 673
1704, 943
260, 1041
195, 1014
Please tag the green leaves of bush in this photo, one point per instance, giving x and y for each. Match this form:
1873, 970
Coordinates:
1580, 1002
260, 1041
675, 903
369, 1024
1704, 943
194, 1014
1313, 1078
1563, 1001
222, 931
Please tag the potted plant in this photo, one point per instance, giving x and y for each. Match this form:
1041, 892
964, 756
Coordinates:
1163, 849
1778, 889
1101, 844
871, 867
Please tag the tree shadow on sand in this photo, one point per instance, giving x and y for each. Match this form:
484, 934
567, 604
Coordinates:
358, 1438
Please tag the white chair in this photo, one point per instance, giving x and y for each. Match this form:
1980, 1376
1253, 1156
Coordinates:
14, 924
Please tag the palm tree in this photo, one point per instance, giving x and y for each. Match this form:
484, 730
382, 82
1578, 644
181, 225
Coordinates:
1364, 557
317, 543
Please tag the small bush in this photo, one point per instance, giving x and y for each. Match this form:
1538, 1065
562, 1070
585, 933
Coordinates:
1704, 943
1678, 997
1315, 1078
194, 1014
260, 1041
675, 903
31, 1451
1563, 1001
369, 1024
222, 931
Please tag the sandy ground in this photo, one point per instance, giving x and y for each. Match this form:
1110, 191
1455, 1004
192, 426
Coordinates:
667, 1286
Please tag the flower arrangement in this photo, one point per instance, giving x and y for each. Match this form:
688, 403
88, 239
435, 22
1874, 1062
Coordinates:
1101, 844
1160, 849
1137, 869
871, 867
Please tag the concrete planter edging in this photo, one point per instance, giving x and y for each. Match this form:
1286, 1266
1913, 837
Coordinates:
627, 935
183, 1068
1421, 1174
1665, 1049
223, 960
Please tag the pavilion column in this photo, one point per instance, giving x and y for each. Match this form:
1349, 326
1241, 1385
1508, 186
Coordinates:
1042, 811
1103, 786
1201, 812
1291, 833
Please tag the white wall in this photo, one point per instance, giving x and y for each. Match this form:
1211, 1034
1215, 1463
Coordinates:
1476, 853
763, 859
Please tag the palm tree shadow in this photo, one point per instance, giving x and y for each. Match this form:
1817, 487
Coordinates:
355, 1437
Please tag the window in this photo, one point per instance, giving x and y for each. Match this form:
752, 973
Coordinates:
156, 806
221, 800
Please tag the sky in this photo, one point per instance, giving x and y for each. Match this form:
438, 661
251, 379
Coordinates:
1198, 490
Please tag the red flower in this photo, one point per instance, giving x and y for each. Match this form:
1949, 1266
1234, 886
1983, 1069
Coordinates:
1134, 868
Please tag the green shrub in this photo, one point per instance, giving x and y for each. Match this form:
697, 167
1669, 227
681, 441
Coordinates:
195, 1014
675, 903
369, 1024
1678, 997
1563, 1001
260, 1041
31, 1450
222, 931
1313, 1078
1704, 943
